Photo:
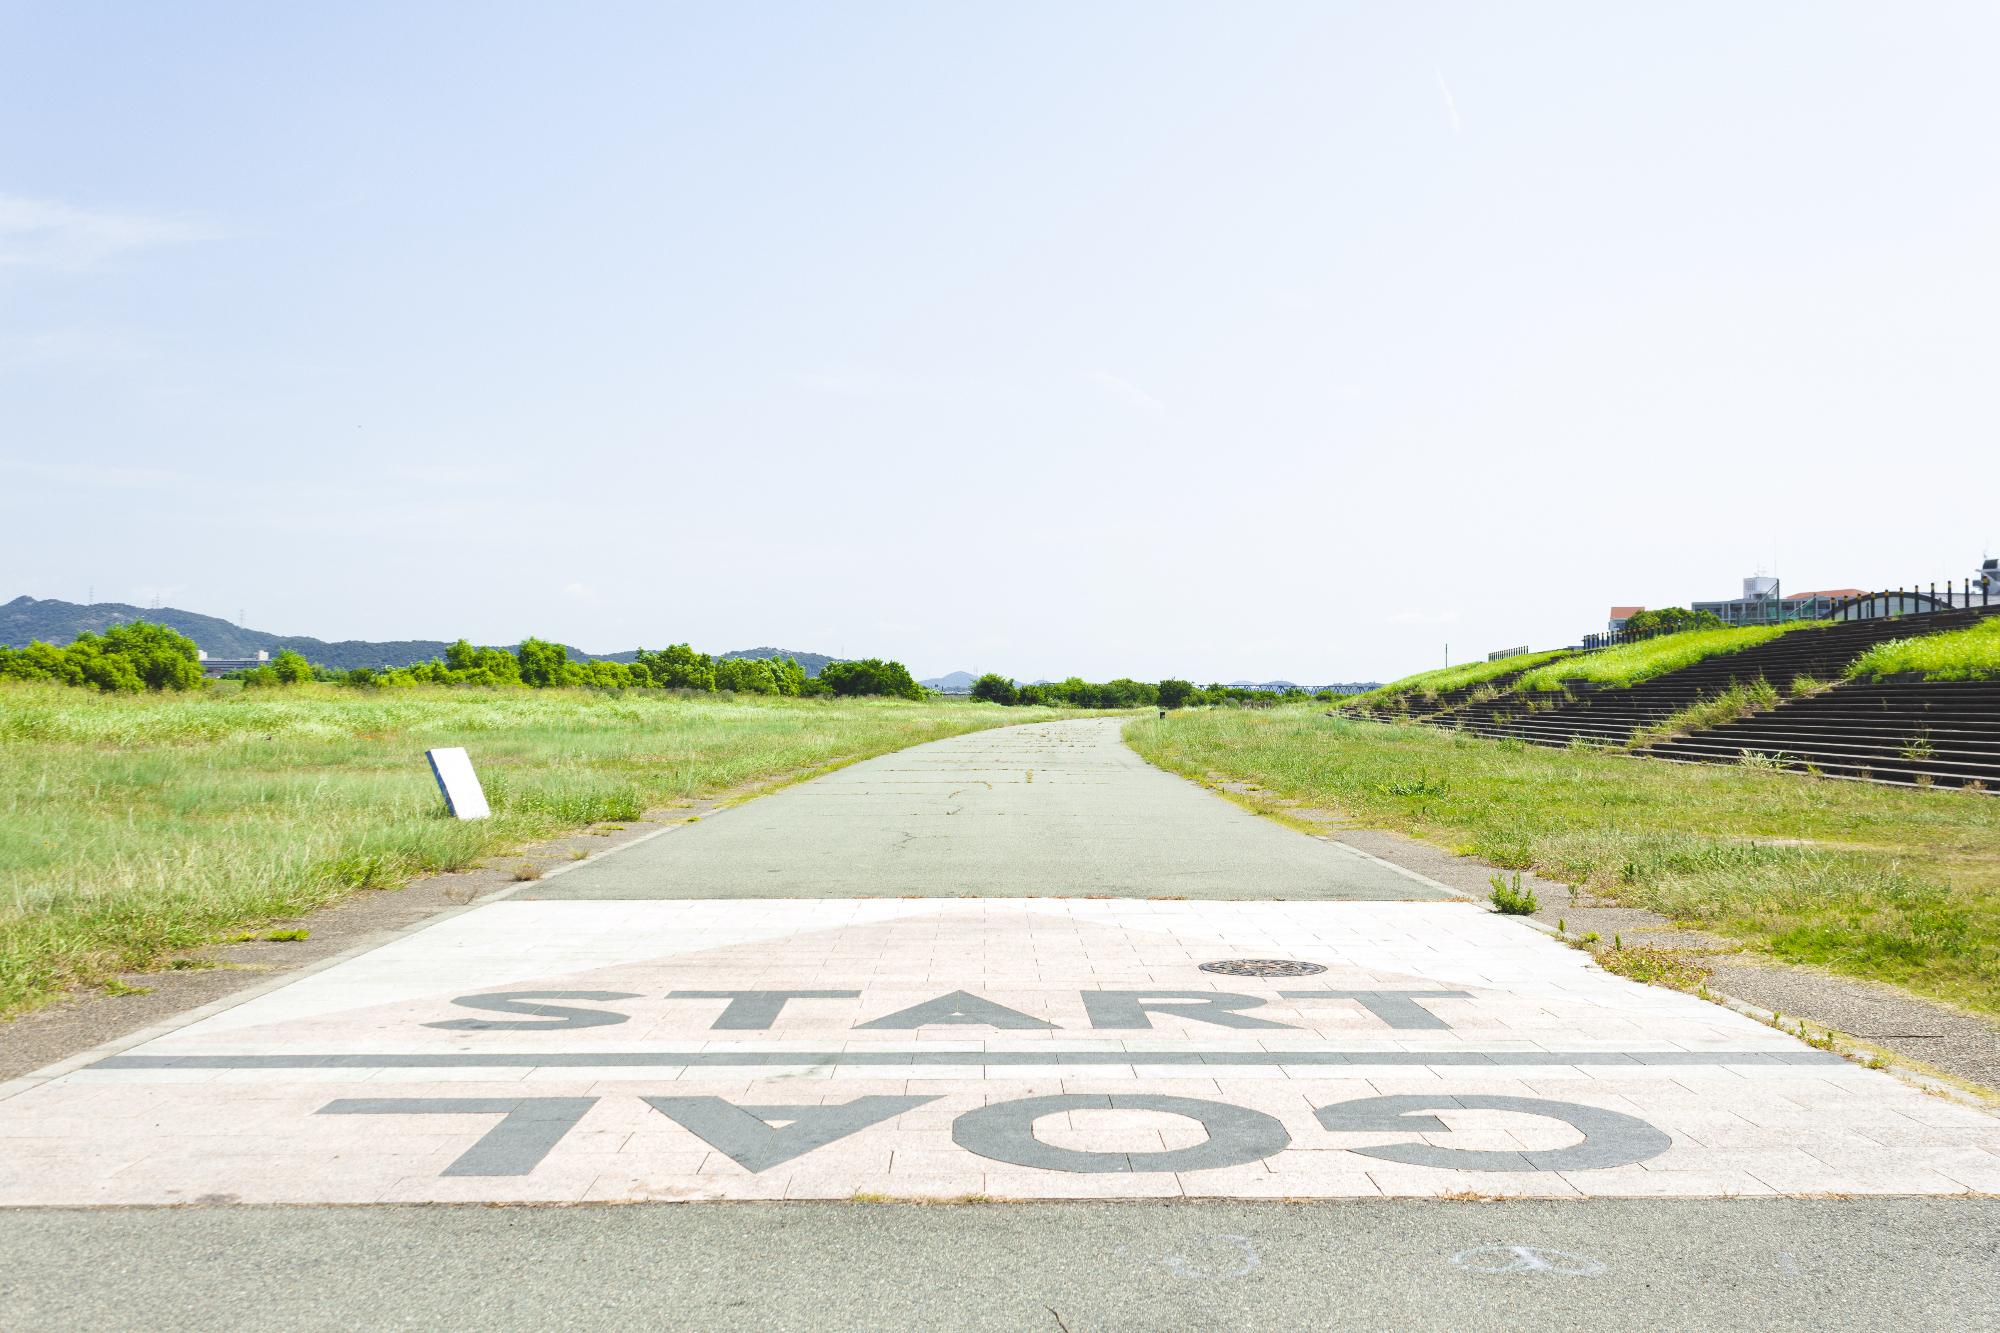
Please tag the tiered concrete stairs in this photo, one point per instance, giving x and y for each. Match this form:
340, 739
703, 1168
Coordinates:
1914, 732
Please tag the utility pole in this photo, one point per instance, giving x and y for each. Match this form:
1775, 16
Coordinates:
1447, 654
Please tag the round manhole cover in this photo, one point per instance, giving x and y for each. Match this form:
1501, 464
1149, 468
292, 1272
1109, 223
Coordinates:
1263, 967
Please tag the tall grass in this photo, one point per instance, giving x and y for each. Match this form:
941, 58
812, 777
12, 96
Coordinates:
135, 826
1890, 883
1972, 653
1630, 663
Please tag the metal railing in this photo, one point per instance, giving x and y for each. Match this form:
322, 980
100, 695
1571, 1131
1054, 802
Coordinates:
1918, 600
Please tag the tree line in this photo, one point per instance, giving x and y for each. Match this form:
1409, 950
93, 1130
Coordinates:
539, 664
1123, 693
139, 656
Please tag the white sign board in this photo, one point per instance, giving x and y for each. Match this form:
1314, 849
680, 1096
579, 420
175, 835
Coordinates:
460, 785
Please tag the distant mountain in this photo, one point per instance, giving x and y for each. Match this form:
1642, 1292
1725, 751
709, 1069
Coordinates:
812, 662
58, 622
956, 682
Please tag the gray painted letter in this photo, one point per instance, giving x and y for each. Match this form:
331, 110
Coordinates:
957, 1007
755, 1010
553, 1016
528, 1128
1610, 1138
1397, 1008
1127, 1008
1005, 1132
743, 1134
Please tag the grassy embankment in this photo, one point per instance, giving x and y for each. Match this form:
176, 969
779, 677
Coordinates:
1429, 684
1629, 663
1972, 653
1889, 883
134, 827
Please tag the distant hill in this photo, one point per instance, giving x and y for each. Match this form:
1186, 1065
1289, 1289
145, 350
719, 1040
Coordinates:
955, 682
58, 622
812, 662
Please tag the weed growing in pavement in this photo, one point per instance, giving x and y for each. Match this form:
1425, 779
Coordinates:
1512, 899
114, 986
1736, 702
286, 936
1675, 968
527, 870
1919, 747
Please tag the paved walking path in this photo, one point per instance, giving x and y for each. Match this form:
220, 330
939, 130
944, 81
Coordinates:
1020, 964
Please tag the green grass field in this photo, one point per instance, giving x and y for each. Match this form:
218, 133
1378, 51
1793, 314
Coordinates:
1972, 653
1895, 884
135, 827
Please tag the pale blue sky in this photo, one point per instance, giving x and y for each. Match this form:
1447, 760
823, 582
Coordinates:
1209, 340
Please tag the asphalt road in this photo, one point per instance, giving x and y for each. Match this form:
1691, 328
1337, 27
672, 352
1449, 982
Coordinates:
1609, 1264
1058, 810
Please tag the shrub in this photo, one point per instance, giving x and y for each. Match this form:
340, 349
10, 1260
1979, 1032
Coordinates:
680, 668
1177, 693
124, 659
1512, 899
290, 668
870, 675
1673, 619
542, 663
995, 689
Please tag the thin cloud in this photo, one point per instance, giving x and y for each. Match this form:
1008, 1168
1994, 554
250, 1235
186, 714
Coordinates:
94, 476
1450, 103
149, 594
868, 386
580, 592
1128, 393
40, 233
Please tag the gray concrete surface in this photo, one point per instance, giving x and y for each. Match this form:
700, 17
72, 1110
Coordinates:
1066, 1268
1059, 809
